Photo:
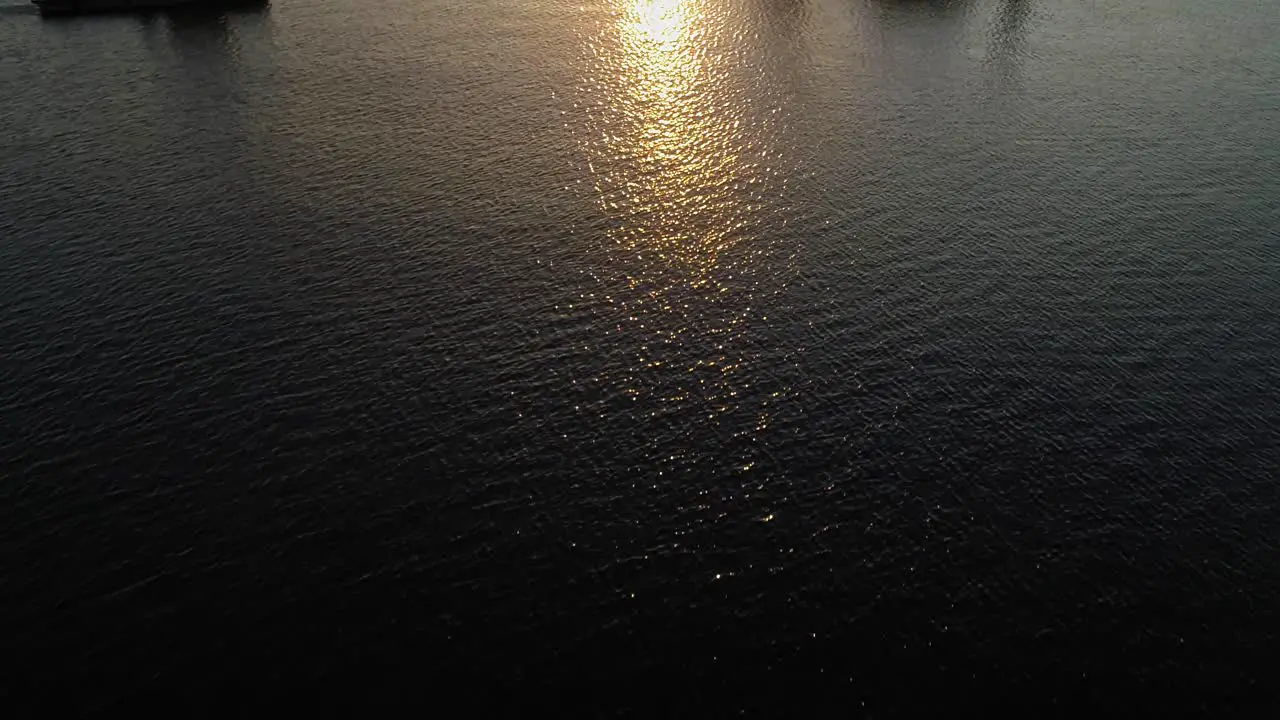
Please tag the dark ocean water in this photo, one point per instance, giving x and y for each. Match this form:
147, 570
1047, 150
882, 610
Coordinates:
680, 356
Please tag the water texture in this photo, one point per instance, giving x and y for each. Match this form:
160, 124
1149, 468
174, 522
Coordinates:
684, 355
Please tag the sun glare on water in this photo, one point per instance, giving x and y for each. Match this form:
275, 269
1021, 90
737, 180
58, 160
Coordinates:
672, 140
661, 21
678, 158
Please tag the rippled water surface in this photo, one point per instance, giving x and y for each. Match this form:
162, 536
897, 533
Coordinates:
689, 355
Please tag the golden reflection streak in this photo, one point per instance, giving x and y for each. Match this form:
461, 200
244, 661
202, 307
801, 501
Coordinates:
671, 143
681, 176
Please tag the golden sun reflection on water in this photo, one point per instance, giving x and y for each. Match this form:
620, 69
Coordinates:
670, 168
662, 21
679, 152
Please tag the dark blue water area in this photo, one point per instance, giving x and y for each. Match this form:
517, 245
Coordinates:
641, 357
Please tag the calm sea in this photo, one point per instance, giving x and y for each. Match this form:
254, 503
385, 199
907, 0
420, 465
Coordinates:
677, 356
